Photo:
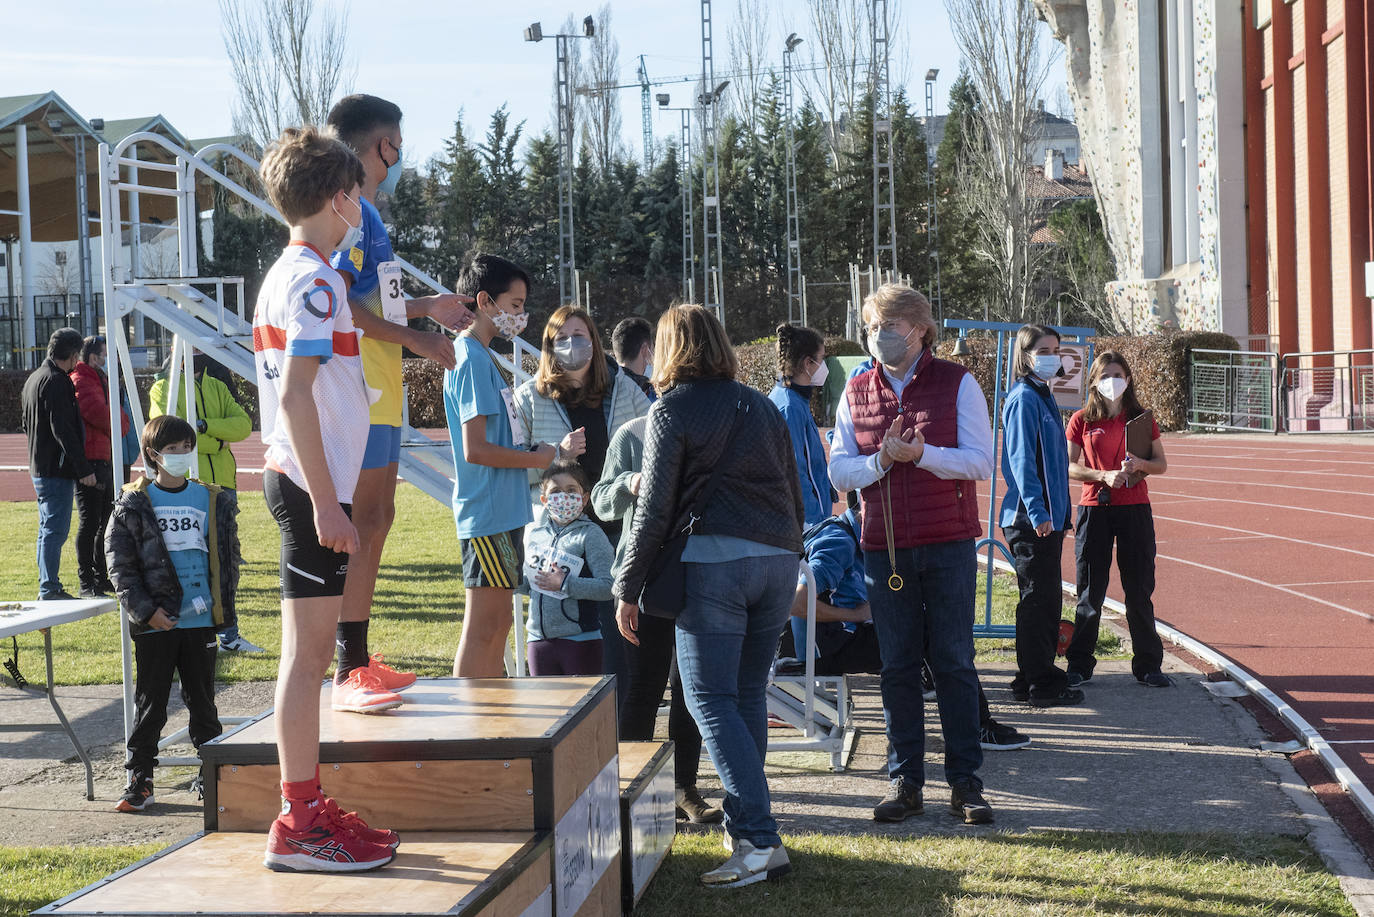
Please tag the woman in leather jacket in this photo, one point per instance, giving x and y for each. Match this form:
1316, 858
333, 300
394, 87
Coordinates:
740, 563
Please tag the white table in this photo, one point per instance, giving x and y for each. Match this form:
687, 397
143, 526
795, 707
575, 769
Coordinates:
24, 617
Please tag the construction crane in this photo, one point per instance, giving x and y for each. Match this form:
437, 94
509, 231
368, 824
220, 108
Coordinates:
644, 84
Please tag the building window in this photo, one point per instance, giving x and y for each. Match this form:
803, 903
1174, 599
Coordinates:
1264, 13
60, 258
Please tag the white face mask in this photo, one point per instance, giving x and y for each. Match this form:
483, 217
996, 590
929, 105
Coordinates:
354, 233
1112, 388
564, 507
648, 370
177, 464
1047, 365
821, 374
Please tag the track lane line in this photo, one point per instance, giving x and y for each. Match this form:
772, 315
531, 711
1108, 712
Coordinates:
1314, 544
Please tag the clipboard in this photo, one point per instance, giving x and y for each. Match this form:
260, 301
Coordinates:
1139, 441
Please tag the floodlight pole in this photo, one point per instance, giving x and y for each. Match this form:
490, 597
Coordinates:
713, 296
83, 239
689, 230
933, 227
563, 92
884, 205
796, 309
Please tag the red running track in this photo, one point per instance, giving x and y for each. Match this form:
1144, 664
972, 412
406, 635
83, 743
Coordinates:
1266, 554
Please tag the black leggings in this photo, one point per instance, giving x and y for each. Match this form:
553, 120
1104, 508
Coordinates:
652, 666
93, 506
1133, 529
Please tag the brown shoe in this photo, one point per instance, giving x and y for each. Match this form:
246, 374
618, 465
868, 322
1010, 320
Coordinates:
691, 807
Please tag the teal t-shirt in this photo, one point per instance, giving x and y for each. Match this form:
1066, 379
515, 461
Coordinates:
486, 500
183, 516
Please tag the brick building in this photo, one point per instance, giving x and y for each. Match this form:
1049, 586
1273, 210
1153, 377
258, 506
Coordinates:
1309, 87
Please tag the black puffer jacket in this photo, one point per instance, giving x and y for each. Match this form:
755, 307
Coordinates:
142, 571
758, 497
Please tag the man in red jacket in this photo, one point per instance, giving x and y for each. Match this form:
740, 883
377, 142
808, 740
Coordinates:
93, 504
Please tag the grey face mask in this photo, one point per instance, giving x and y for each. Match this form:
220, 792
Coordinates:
888, 347
573, 353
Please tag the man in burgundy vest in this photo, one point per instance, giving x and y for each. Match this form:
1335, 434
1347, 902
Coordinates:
912, 435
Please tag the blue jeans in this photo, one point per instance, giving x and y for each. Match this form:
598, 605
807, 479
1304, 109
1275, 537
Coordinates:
727, 636
55, 496
932, 612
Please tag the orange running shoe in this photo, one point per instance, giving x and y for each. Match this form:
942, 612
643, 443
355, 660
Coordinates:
362, 692
391, 679
353, 822
324, 845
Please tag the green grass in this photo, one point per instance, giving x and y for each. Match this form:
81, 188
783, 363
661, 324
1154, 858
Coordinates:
416, 616
31, 877
1057, 874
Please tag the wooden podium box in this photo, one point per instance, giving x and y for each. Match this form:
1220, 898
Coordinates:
648, 803
469, 754
471, 874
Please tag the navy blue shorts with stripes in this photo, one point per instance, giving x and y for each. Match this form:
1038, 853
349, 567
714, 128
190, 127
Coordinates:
493, 561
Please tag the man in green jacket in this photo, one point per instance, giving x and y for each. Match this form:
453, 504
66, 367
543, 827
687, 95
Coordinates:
220, 420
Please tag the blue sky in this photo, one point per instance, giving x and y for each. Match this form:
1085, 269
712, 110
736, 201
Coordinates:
432, 58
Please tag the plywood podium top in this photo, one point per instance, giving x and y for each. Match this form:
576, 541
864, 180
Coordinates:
222, 874
462, 717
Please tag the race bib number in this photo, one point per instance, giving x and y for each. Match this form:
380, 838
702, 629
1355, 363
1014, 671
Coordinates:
517, 429
391, 288
182, 527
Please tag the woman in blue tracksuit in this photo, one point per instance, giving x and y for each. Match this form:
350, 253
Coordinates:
801, 373
1035, 514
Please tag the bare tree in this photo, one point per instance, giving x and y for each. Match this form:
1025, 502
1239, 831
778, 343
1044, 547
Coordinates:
290, 60
59, 276
1000, 45
838, 64
751, 37
600, 103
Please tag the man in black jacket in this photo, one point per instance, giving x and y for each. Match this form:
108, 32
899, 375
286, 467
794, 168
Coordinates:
57, 453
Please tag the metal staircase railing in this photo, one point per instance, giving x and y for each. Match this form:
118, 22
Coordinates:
200, 321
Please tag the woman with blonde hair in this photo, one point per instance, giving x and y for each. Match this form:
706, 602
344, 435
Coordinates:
1035, 514
1114, 506
912, 435
718, 466
579, 399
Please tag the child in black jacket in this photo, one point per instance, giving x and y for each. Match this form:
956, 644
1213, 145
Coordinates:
173, 554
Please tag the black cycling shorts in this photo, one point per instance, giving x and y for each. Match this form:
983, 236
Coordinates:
308, 570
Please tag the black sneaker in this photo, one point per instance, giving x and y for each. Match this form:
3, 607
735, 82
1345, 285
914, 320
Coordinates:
60, 595
903, 800
1065, 698
1078, 678
966, 801
136, 797
995, 736
691, 807
94, 592
1155, 680
1020, 695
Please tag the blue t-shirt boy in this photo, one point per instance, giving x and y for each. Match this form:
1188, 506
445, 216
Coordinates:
486, 500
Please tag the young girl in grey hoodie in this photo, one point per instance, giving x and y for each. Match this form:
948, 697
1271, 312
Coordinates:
567, 569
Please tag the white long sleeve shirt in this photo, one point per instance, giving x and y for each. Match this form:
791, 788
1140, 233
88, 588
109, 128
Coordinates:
970, 459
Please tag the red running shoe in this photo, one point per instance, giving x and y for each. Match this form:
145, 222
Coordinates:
351, 821
391, 679
325, 845
362, 692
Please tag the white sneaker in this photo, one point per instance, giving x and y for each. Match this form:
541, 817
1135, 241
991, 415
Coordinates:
241, 644
748, 865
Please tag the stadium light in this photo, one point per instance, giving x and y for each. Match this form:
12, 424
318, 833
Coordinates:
534, 32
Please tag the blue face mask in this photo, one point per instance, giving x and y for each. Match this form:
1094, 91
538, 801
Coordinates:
1048, 365
393, 175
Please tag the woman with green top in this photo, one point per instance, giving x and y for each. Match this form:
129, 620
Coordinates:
653, 664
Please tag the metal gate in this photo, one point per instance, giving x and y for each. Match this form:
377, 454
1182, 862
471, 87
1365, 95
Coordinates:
1233, 390
1328, 391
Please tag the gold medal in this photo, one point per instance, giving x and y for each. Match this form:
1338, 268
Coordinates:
894, 582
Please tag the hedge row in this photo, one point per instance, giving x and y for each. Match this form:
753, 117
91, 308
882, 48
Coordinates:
1159, 363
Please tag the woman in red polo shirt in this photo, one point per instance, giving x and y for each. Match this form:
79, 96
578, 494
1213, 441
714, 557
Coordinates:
1110, 510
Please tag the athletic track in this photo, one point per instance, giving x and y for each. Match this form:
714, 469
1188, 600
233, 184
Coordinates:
1266, 554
